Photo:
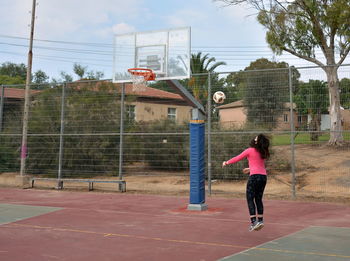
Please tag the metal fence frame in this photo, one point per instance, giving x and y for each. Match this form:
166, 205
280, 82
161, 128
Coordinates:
122, 133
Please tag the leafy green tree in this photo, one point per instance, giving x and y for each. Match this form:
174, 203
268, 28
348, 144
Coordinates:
89, 109
14, 70
233, 86
11, 73
345, 93
66, 77
264, 91
82, 72
40, 77
79, 70
201, 65
5, 79
303, 27
91, 75
312, 99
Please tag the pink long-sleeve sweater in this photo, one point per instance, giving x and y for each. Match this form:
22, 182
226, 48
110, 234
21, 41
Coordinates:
256, 163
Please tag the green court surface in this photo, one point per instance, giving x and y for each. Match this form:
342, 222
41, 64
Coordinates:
311, 244
11, 213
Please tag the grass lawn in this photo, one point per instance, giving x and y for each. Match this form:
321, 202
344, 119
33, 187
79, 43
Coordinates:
303, 138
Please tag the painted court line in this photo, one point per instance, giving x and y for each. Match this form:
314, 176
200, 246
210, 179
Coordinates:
286, 251
257, 247
129, 236
300, 252
190, 215
190, 242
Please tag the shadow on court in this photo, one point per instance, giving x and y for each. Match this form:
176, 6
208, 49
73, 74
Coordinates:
42, 225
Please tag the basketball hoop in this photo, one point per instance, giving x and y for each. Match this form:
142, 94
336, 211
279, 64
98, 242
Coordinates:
140, 77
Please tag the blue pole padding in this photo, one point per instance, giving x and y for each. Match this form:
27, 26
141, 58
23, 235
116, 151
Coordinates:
197, 162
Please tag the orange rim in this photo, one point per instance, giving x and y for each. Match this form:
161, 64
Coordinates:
147, 74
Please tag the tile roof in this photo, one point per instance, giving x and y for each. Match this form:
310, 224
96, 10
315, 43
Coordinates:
152, 92
235, 104
148, 92
239, 103
16, 93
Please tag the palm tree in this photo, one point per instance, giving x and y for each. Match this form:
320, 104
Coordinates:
200, 67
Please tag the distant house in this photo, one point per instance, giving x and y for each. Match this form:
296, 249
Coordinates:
149, 105
326, 120
233, 115
345, 119
11, 100
14, 96
153, 104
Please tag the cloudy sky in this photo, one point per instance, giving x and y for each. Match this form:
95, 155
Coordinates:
82, 31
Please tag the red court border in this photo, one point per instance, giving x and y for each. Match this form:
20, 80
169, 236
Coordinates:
115, 226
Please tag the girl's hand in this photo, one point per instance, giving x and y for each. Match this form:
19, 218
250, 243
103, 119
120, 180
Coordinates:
246, 170
224, 164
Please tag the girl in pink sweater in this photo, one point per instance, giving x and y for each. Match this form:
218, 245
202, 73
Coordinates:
256, 155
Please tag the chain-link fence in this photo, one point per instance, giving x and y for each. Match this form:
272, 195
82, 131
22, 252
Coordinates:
100, 129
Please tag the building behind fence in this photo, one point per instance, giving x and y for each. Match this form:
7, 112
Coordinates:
98, 128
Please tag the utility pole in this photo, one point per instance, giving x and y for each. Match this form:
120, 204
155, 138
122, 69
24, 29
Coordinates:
27, 95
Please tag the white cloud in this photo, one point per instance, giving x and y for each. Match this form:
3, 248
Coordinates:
15, 17
64, 19
123, 28
185, 17
98, 21
88, 16
241, 12
120, 28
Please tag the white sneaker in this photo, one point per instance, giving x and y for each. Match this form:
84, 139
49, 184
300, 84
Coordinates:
259, 225
252, 226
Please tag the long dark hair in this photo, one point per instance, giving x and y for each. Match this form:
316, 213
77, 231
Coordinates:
261, 143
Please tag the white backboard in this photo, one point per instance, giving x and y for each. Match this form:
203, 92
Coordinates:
166, 52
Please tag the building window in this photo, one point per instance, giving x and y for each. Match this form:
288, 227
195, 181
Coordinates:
300, 119
285, 117
172, 113
130, 113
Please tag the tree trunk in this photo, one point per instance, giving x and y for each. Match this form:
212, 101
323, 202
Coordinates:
336, 134
315, 126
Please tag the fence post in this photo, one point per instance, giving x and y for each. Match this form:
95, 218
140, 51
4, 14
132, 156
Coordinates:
121, 131
209, 132
292, 133
60, 156
2, 93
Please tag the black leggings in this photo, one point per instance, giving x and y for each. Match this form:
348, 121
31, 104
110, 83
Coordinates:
255, 190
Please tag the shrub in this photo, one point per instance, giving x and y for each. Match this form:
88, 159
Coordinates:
165, 145
88, 110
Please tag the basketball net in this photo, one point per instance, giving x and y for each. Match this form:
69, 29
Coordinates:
140, 77
138, 83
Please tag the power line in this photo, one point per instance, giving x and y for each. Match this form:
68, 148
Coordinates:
65, 59
55, 41
199, 48
224, 55
111, 45
232, 55
61, 49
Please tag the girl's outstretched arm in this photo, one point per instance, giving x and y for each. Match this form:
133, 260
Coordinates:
241, 156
